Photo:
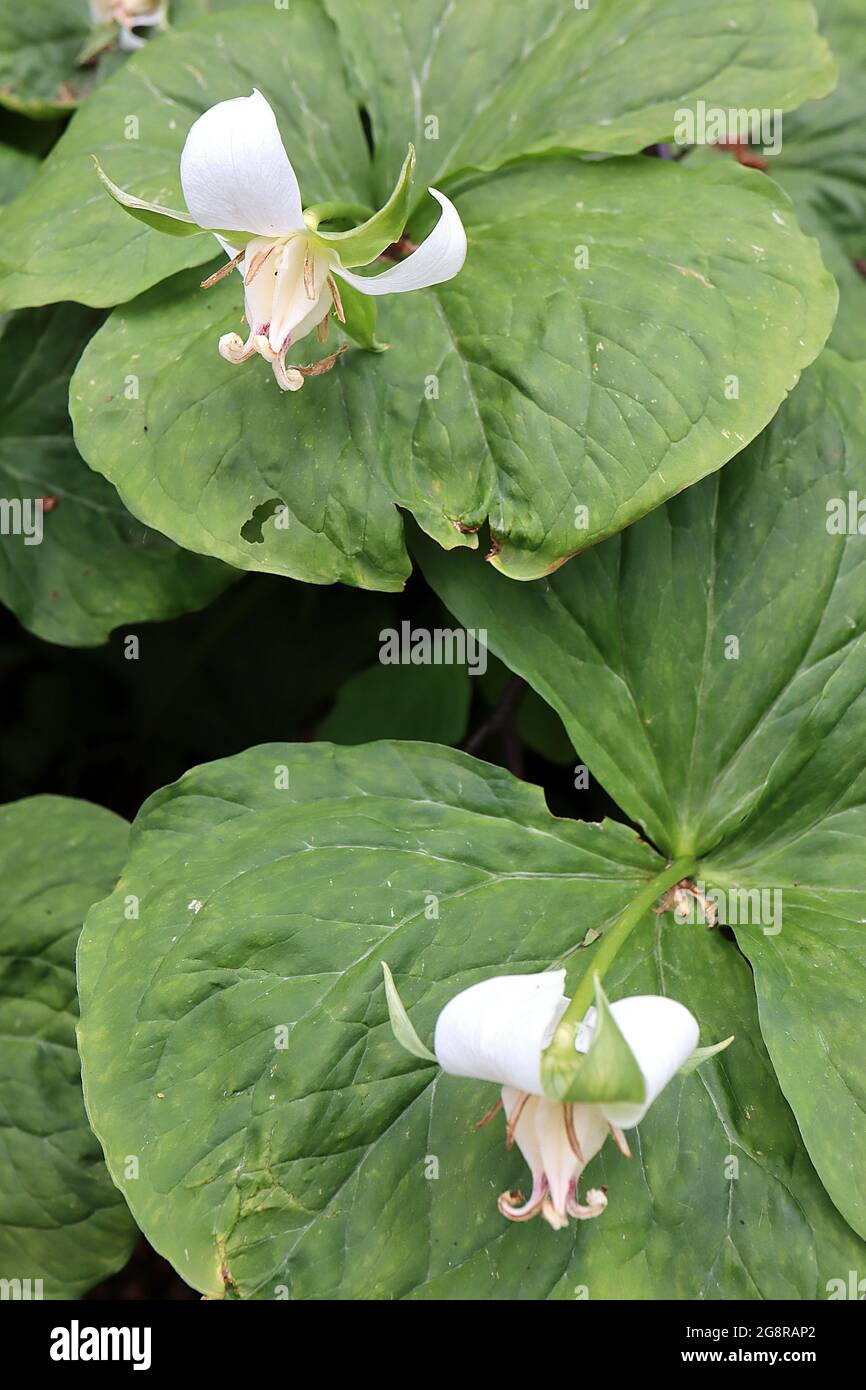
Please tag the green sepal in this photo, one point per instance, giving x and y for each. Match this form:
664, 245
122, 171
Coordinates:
703, 1054
349, 213
164, 219
401, 1024
360, 311
363, 245
607, 1072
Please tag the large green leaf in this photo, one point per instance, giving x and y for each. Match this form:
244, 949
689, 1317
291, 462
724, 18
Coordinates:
96, 566
751, 754
43, 42
822, 165
810, 980
40, 43
693, 743
326, 1162
429, 703
22, 146
552, 75
560, 403
66, 239
61, 1218
545, 77
16, 167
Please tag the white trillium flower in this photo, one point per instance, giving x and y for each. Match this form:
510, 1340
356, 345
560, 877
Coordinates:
236, 176
497, 1031
129, 15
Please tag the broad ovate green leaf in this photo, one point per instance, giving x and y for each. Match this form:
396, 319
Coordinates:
822, 165
584, 366
236, 1038
497, 81
478, 83
62, 1221
723, 705
40, 44
54, 53
429, 703
73, 563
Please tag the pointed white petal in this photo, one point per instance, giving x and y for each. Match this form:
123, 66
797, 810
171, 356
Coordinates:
662, 1034
259, 293
559, 1163
524, 1131
524, 1134
320, 310
439, 258
591, 1130
295, 309
496, 1030
562, 1166
235, 172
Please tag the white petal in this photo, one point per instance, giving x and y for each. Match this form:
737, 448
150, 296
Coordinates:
527, 1142
524, 1131
496, 1030
320, 310
295, 312
439, 258
662, 1034
235, 172
259, 293
559, 1163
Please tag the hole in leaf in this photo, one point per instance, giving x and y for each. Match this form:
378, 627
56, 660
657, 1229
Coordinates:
252, 530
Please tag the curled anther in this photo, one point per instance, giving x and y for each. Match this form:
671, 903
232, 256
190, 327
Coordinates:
233, 348
515, 1208
596, 1202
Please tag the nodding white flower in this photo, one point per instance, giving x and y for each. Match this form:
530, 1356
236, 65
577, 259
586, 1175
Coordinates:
237, 177
129, 15
497, 1031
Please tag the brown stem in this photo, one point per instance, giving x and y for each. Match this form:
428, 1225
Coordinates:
399, 250
503, 721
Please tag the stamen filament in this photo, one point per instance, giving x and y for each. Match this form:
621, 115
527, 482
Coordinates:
491, 1114
338, 303
514, 1119
573, 1141
223, 271
256, 264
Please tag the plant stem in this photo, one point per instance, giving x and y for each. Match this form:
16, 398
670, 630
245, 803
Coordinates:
503, 721
613, 941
